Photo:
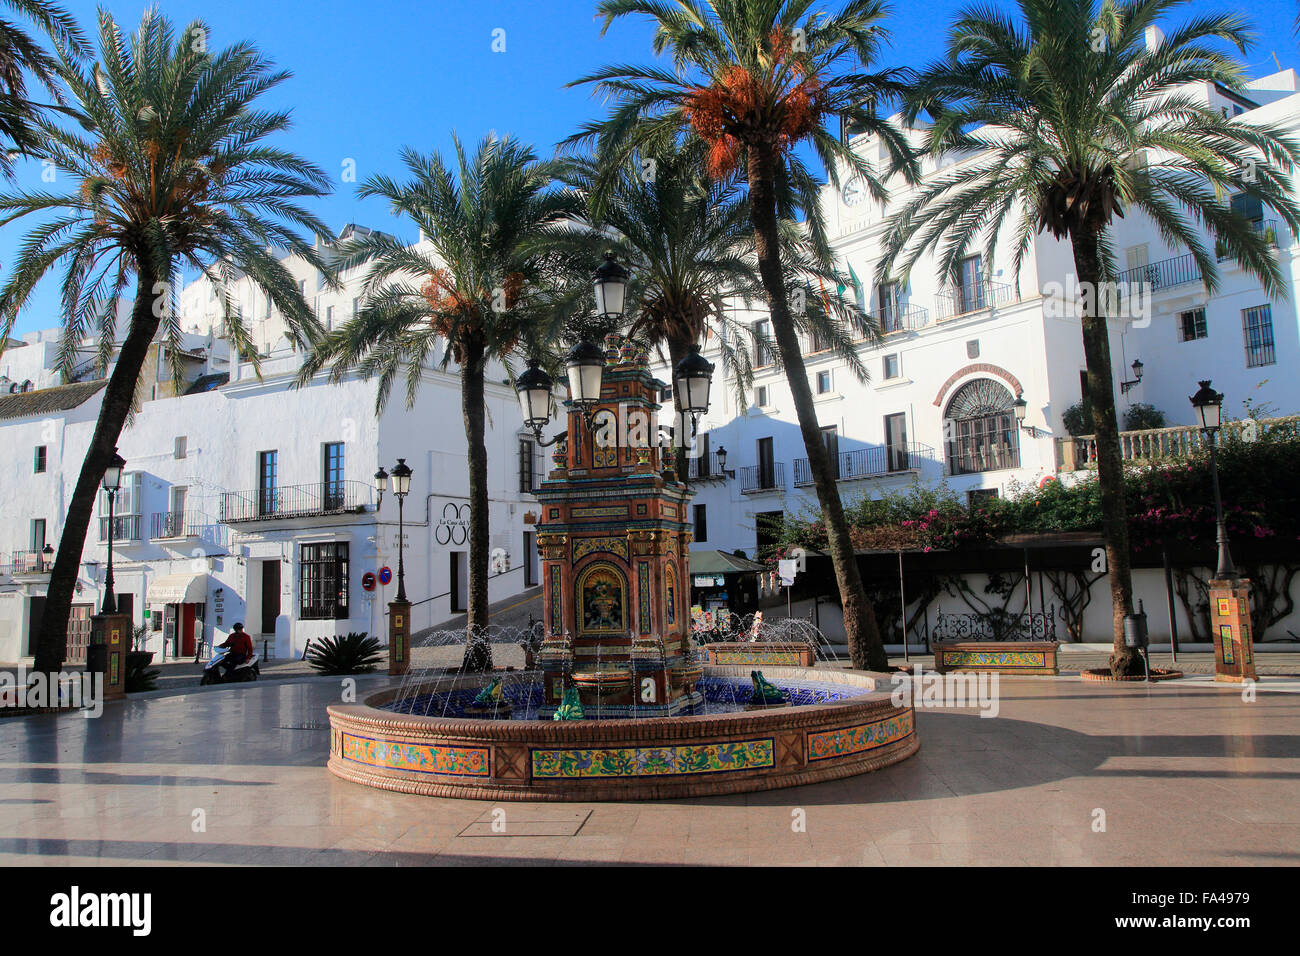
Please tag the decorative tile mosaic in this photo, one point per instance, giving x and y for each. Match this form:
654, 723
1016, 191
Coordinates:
643, 594
599, 511
729, 757
995, 658
557, 619
775, 658
1225, 636
419, 758
585, 546
853, 740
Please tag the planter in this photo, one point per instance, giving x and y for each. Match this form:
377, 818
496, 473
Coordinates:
1003, 657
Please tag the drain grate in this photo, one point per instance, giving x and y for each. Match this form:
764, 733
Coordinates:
525, 821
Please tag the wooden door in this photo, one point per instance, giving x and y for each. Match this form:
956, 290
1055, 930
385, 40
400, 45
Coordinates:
78, 633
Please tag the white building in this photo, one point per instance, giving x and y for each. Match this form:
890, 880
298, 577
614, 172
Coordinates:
250, 500
938, 406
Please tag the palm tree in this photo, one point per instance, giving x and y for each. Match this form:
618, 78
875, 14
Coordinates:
688, 240
1076, 120
169, 171
19, 56
755, 79
483, 286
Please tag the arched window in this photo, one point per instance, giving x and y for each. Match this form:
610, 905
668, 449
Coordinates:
980, 428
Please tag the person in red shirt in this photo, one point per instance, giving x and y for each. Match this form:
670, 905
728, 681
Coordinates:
241, 648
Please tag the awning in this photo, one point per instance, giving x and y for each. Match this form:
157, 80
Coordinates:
720, 562
179, 589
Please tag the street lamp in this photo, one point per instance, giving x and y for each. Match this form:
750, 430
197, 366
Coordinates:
691, 381
722, 463
610, 281
47, 557
381, 484
534, 388
1137, 377
1209, 409
401, 486
1020, 407
112, 483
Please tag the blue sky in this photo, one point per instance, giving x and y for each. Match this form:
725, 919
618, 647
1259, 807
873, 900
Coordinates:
372, 77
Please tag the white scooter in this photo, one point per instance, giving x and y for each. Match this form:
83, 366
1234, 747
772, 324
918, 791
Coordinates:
215, 674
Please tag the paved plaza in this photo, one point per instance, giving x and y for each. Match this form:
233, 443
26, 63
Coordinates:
1183, 773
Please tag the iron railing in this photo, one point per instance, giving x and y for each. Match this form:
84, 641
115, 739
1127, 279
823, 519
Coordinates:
26, 562
704, 468
125, 528
295, 501
973, 298
997, 625
177, 524
867, 462
1164, 274
756, 480
970, 457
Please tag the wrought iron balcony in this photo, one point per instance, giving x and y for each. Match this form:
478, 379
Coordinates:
704, 468
756, 480
1164, 274
973, 298
125, 528
867, 463
911, 318
27, 562
177, 524
295, 501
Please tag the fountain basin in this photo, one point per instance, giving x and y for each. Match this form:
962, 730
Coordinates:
627, 759
762, 653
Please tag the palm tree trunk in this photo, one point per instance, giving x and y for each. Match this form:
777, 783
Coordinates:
1110, 461
478, 653
865, 647
119, 394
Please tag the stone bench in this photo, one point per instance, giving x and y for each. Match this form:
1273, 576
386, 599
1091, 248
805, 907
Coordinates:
761, 653
1003, 657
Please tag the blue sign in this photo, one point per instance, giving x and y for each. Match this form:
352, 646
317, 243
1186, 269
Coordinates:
385, 575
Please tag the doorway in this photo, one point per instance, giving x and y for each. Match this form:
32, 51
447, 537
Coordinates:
78, 633
458, 584
270, 595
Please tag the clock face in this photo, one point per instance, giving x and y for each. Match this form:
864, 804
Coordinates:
855, 190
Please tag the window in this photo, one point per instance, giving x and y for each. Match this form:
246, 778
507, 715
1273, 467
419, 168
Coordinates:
896, 442
1257, 329
831, 439
887, 303
1191, 325
981, 429
701, 523
179, 448
766, 463
970, 287
819, 342
760, 396
323, 595
530, 559
126, 510
527, 475
268, 468
890, 363
39, 460
329, 316
762, 354
978, 497
332, 476
823, 383
38, 534
302, 288
356, 306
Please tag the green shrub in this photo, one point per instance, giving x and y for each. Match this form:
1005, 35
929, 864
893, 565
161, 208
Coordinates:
139, 675
1078, 419
354, 654
1143, 415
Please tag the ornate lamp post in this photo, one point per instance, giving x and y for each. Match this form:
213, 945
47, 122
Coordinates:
112, 483
401, 486
1209, 411
1234, 657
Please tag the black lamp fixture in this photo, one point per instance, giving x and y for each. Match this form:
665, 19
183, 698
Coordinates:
1209, 410
692, 379
1137, 377
47, 557
722, 462
610, 281
1021, 407
400, 483
112, 483
534, 388
381, 485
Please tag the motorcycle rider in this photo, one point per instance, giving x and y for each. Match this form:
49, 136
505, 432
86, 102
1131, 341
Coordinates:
241, 648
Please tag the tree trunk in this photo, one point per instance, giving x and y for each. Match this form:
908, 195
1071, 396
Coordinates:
478, 652
1110, 461
865, 646
119, 394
